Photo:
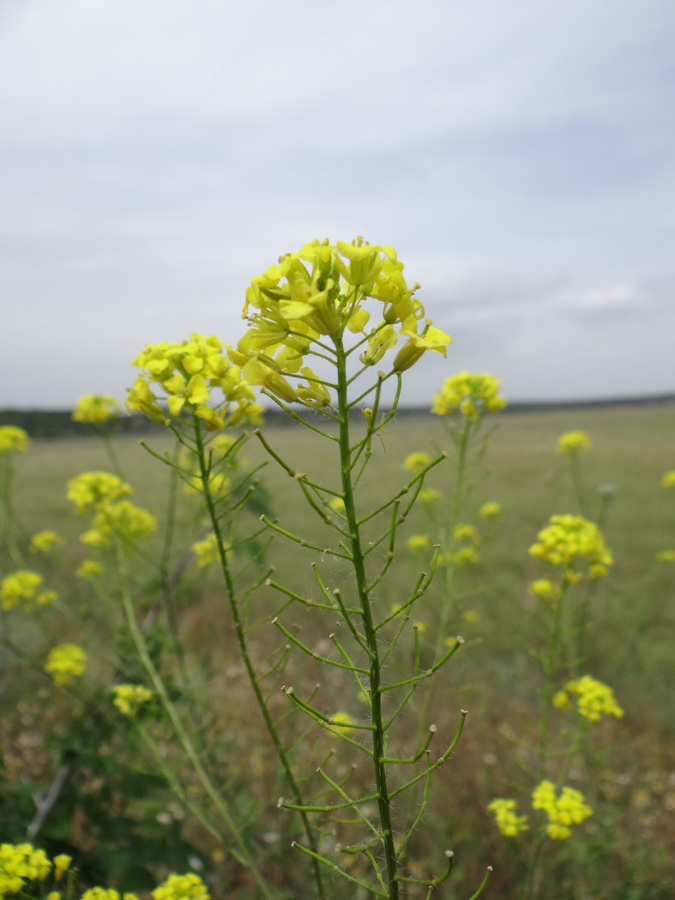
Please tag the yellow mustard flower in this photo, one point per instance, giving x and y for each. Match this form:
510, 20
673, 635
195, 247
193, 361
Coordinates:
464, 532
13, 438
416, 460
90, 490
569, 808
509, 823
666, 556
54, 895
594, 698
343, 722
429, 495
61, 864
465, 557
668, 479
181, 887
544, 589
473, 395
43, 541
20, 864
65, 662
491, 510
194, 376
573, 442
206, 551
570, 540
129, 698
21, 588
124, 519
96, 409
100, 893
89, 568
418, 542
337, 504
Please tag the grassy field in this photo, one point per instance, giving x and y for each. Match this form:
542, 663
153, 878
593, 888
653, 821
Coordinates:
628, 774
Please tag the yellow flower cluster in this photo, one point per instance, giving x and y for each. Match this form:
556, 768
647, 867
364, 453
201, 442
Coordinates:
472, 395
465, 532
13, 438
418, 542
96, 408
206, 551
319, 291
490, 510
181, 887
544, 589
187, 373
19, 864
665, 556
428, 495
416, 461
573, 442
89, 568
568, 540
99, 893
668, 479
570, 808
124, 519
65, 662
594, 698
343, 722
90, 490
22, 588
43, 541
129, 698
508, 821
467, 556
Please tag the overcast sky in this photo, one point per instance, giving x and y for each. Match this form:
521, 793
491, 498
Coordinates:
519, 154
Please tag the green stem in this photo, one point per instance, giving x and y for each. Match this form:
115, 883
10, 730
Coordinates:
243, 649
358, 563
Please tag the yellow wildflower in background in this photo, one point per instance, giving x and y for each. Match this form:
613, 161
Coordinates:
429, 495
337, 504
666, 556
544, 589
472, 395
206, 551
90, 490
343, 721
65, 662
21, 588
418, 542
465, 532
570, 808
13, 438
194, 376
96, 408
490, 510
181, 887
43, 541
61, 864
569, 540
124, 519
668, 479
573, 442
89, 568
100, 893
465, 557
129, 698
320, 291
594, 698
508, 821
19, 864
416, 461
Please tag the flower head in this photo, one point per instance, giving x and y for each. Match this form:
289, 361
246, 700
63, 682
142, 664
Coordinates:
90, 490
472, 395
492, 510
508, 821
13, 438
43, 541
544, 589
22, 588
206, 551
570, 808
594, 699
19, 864
418, 542
129, 698
573, 442
668, 479
96, 409
416, 461
181, 887
343, 722
571, 540
65, 662
124, 519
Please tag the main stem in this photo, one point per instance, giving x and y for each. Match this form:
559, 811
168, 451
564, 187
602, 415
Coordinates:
243, 649
358, 563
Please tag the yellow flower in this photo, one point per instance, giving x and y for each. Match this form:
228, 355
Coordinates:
22, 589
129, 698
343, 722
570, 808
89, 568
668, 479
337, 504
666, 556
13, 438
206, 551
181, 887
472, 395
569, 540
43, 541
19, 864
490, 510
99, 893
90, 490
465, 557
61, 864
418, 542
544, 589
428, 495
509, 823
573, 442
416, 461
465, 532
594, 699
65, 662
124, 519
96, 408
